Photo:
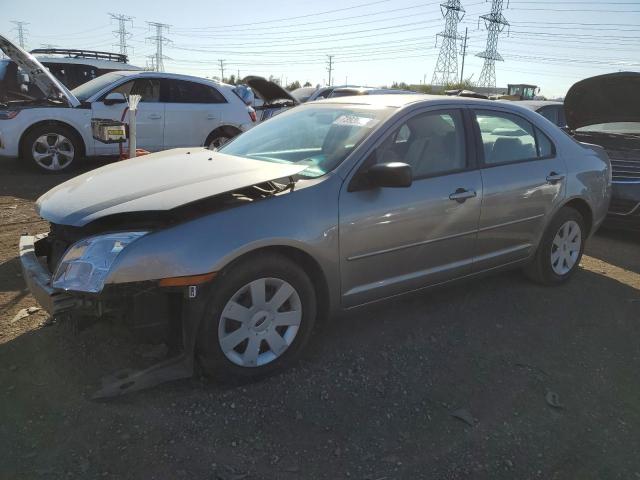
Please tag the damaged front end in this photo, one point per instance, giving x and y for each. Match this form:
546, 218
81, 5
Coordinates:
69, 271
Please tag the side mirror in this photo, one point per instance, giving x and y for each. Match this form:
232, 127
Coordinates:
114, 98
392, 175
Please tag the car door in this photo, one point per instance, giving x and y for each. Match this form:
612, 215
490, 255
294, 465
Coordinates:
523, 182
149, 116
394, 240
193, 111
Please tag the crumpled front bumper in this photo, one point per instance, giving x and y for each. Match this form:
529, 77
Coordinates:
38, 279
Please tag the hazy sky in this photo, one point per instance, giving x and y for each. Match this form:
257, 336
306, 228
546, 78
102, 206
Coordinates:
549, 43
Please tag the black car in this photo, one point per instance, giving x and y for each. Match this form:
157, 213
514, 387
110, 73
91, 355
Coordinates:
605, 110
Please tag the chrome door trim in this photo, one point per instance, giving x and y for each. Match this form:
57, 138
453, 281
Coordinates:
410, 245
513, 222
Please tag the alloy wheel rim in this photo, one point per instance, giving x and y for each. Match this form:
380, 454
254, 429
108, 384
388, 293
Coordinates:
53, 151
565, 248
259, 322
218, 142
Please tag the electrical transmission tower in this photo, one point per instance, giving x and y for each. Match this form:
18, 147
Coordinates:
495, 23
446, 71
122, 33
22, 32
160, 40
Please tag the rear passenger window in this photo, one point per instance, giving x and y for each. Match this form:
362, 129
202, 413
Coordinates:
181, 91
545, 147
508, 138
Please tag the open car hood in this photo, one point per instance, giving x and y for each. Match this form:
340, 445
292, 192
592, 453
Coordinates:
157, 182
50, 86
614, 97
268, 91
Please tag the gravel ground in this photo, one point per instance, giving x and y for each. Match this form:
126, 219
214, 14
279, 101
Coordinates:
489, 379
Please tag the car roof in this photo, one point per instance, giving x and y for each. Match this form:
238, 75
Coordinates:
537, 104
404, 99
176, 76
97, 63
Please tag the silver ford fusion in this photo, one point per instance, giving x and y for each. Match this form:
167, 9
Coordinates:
235, 254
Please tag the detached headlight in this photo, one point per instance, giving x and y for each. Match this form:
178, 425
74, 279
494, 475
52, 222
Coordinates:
86, 264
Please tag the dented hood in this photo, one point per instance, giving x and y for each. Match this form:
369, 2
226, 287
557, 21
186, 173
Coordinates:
614, 97
267, 90
50, 86
157, 182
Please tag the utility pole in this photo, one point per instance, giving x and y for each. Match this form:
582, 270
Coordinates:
330, 68
464, 53
221, 70
446, 71
159, 39
122, 33
495, 23
22, 32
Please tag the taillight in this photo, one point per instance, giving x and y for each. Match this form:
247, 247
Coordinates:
9, 114
252, 115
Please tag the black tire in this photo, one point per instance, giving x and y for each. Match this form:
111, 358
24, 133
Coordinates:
66, 160
540, 269
220, 136
210, 354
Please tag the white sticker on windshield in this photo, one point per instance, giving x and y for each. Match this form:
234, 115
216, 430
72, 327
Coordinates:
355, 121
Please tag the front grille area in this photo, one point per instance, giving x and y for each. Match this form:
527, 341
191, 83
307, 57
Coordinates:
625, 165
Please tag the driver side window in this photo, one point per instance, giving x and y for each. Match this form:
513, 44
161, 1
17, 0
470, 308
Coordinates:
148, 88
431, 143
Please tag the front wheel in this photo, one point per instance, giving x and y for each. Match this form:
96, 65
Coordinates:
560, 249
52, 148
259, 318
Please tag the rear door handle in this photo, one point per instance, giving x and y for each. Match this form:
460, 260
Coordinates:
211, 116
554, 177
461, 195
155, 116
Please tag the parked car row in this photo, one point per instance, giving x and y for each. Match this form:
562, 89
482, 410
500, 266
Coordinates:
53, 129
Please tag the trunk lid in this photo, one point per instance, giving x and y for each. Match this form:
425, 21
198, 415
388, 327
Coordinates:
609, 98
49, 85
268, 91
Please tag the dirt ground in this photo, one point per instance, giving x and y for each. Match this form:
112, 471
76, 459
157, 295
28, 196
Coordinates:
373, 397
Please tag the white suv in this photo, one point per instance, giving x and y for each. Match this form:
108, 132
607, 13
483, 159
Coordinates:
54, 131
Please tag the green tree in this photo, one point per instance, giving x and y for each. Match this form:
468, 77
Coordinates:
307, 84
293, 85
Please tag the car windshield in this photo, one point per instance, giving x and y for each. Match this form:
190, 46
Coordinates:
318, 136
614, 127
303, 94
86, 90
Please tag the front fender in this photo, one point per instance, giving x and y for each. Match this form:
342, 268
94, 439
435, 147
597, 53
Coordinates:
305, 219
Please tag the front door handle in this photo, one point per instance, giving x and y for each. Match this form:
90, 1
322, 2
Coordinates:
554, 177
155, 116
211, 116
461, 195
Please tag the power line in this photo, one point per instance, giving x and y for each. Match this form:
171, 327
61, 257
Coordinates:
446, 70
494, 22
159, 39
22, 32
122, 33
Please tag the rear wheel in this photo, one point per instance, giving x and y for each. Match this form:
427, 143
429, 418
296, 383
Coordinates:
52, 148
560, 249
259, 318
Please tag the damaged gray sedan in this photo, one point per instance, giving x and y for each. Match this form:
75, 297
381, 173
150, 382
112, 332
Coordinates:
236, 254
